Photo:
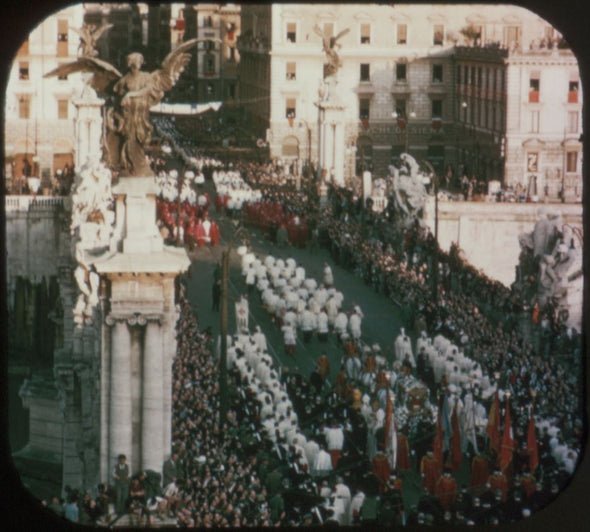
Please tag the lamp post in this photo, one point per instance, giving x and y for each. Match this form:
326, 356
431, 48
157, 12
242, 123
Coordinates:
402, 118
239, 232
302, 123
435, 272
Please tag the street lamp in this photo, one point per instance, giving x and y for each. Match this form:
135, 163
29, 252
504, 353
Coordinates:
475, 144
435, 272
302, 123
402, 122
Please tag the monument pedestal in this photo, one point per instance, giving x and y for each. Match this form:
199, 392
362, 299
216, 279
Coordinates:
139, 333
331, 134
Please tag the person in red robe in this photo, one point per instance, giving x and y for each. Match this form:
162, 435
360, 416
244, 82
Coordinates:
323, 366
430, 471
200, 233
480, 471
498, 481
446, 490
381, 469
528, 483
214, 233
403, 453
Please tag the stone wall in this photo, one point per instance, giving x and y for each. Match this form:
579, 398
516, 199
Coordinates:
487, 232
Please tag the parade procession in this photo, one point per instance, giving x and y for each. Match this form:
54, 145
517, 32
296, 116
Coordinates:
286, 269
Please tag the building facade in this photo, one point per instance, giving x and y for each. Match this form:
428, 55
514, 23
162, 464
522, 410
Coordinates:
39, 126
402, 76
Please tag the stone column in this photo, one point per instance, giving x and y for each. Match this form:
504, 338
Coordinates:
329, 147
120, 441
105, 395
339, 152
322, 142
152, 418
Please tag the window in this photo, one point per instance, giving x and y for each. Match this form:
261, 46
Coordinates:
231, 91
436, 108
24, 108
479, 77
232, 53
534, 121
572, 161
494, 116
62, 31
402, 34
512, 36
291, 32
365, 34
209, 64
208, 22
401, 71
364, 108
290, 109
438, 34
472, 76
365, 72
437, 73
291, 71
465, 74
572, 96
534, 88
572, 122
458, 74
23, 70
62, 38
62, 109
400, 106
477, 30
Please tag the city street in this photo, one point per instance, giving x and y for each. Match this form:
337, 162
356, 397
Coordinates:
381, 323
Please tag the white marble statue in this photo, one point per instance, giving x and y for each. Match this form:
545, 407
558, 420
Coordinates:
408, 191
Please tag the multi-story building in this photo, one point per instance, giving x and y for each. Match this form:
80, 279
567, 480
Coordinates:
402, 78
215, 66
128, 32
544, 122
39, 126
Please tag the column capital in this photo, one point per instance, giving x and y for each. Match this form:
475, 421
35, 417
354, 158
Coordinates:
134, 320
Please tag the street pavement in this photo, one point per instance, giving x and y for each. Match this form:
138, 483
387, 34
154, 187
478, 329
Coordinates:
381, 323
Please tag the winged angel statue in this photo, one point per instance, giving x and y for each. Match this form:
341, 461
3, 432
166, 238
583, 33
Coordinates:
331, 47
130, 97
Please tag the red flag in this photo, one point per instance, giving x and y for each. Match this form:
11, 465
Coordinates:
507, 441
531, 443
437, 446
390, 434
493, 428
455, 441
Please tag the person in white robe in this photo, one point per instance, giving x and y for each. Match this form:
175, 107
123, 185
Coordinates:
242, 314
328, 277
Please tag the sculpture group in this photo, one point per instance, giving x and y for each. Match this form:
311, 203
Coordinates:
548, 256
129, 98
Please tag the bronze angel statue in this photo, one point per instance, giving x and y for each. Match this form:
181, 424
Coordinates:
330, 46
89, 35
128, 128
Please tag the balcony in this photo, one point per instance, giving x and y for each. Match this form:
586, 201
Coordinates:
533, 96
572, 97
